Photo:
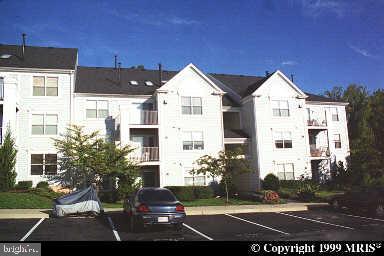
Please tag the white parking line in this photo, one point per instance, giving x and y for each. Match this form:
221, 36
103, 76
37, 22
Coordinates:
32, 229
194, 230
361, 217
113, 229
318, 221
257, 224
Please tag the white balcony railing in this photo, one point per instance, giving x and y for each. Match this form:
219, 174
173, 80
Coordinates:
317, 151
146, 117
146, 154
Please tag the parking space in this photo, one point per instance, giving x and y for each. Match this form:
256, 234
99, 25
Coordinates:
316, 224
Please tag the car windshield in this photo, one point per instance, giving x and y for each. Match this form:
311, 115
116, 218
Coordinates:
156, 196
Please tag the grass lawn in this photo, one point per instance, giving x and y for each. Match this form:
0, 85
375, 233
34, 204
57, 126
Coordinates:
19, 200
199, 202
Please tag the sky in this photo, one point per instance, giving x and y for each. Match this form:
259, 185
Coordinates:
323, 43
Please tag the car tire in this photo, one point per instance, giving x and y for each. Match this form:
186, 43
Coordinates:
178, 227
379, 210
134, 226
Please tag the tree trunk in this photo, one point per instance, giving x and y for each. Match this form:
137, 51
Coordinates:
226, 190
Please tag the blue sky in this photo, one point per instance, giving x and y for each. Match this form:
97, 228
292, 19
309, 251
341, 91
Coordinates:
324, 43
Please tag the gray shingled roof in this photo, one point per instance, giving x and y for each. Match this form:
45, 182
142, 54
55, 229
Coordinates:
38, 57
314, 97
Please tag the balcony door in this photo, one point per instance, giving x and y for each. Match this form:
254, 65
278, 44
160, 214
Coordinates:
137, 114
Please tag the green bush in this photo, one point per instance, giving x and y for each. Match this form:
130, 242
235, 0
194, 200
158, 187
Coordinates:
42, 184
202, 192
271, 182
232, 189
307, 192
294, 184
109, 196
23, 185
183, 193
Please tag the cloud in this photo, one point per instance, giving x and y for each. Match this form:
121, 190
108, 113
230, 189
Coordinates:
361, 51
289, 63
315, 8
182, 21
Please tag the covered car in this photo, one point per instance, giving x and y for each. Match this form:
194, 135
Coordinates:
81, 201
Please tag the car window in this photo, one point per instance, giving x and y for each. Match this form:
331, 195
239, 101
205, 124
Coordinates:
156, 196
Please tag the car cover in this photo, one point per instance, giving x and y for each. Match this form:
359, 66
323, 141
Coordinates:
81, 201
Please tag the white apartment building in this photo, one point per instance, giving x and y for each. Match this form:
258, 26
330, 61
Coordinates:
170, 117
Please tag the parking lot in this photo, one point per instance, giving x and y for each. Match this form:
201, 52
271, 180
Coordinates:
314, 224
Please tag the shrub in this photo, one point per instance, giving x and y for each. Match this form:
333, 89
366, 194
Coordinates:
42, 184
109, 196
307, 192
232, 189
24, 185
183, 193
7, 162
294, 184
202, 192
271, 197
271, 182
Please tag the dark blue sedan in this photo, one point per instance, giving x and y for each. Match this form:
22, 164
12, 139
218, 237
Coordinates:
152, 206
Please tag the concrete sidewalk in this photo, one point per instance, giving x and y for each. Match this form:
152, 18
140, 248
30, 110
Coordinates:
197, 210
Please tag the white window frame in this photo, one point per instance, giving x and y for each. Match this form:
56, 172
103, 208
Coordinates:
44, 124
284, 170
284, 139
45, 86
191, 106
187, 174
335, 112
337, 140
97, 109
43, 163
193, 141
279, 103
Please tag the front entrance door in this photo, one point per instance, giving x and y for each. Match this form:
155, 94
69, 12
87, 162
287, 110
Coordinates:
150, 178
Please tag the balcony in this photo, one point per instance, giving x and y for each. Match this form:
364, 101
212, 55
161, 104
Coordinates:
1, 90
146, 154
144, 117
317, 151
317, 123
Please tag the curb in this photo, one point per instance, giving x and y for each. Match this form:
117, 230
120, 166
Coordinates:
190, 211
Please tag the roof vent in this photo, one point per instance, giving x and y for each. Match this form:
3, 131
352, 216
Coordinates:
148, 83
133, 82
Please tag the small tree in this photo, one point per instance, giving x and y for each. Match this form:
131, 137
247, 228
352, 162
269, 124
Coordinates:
226, 165
86, 158
7, 162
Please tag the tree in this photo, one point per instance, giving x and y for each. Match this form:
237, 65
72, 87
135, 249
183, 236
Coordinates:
7, 162
336, 93
86, 158
226, 165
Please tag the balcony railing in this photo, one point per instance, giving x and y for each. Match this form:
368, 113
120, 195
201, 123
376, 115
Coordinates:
146, 117
316, 122
319, 151
146, 154
1, 90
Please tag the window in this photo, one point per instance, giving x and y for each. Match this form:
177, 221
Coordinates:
285, 171
193, 140
283, 139
45, 86
191, 105
335, 114
97, 109
191, 180
280, 108
337, 140
44, 124
43, 164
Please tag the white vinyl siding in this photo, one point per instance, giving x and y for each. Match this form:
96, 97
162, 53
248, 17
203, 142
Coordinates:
45, 86
44, 124
193, 140
97, 109
337, 140
191, 105
280, 108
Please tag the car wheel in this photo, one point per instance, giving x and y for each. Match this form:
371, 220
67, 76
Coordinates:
134, 225
379, 210
178, 227
335, 204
